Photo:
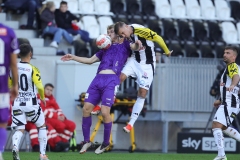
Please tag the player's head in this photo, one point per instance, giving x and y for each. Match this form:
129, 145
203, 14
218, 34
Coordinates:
26, 51
51, 6
63, 6
111, 33
123, 30
48, 89
230, 54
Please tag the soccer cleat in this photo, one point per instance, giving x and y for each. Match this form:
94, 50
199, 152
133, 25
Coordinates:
101, 148
127, 128
43, 157
220, 158
96, 110
85, 146
15, 154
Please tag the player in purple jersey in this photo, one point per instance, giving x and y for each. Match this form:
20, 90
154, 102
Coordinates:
8, 59
103, 85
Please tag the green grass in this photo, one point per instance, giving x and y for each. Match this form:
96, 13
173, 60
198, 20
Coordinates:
119, 156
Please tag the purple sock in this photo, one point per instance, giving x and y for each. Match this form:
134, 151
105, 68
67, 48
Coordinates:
86, 125
3, 139
107, 132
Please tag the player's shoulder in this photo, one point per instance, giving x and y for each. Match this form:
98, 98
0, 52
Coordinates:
6, 30
34, 68
233, 65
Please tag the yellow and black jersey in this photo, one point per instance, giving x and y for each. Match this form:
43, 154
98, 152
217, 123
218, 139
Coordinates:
29, 83
147, 37
229, 98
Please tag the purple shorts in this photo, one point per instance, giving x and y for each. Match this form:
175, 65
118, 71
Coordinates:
102, 89
4, 115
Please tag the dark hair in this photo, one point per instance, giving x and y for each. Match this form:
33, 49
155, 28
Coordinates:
48, 85
25, 50
110, 27
63, 3
117, 26
234, 48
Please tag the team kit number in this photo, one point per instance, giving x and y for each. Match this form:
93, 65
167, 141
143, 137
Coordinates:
23, 82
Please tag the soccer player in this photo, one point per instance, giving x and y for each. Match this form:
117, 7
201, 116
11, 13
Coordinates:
25, 107
103, 85
8, 58
141, 64
229, 102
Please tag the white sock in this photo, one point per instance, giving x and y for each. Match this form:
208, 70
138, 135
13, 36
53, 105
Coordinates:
137, 108
219, 140
16, 138
231, 132
42, 138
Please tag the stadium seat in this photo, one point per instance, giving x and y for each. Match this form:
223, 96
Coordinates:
208, 9
219, 49
137, 21
90, 24
185, 32
191, 50
200, 32
163, 9
104, 22
117, 7
222, 10
178, 8
148, 8
235, 11
73, 5
154, 25
230, 34
206, 51
86, 6
118, 19
215, 33
133, 7
177, 50
102, 6
170, 32
193, 9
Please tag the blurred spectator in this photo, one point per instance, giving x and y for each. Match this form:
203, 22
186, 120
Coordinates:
66, 20
159, 56
49, 26
30, 6
55, 117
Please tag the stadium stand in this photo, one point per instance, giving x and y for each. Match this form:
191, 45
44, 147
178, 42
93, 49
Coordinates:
192, 28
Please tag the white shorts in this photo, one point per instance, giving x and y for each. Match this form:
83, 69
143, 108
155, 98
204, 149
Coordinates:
220, 115
4, 100
143, 72
22, 114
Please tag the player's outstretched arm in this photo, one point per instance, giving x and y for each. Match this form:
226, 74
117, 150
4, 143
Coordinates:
14, 70
69, 57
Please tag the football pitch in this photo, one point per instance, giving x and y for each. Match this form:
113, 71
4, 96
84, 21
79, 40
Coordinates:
118, 156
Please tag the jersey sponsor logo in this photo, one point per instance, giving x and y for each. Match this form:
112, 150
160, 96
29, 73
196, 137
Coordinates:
30, 114
108, 99
3, 31
2, 70
147, 86
26, 94
86, 95
39, 77
24, 69
145, 75
22, 99
142, 82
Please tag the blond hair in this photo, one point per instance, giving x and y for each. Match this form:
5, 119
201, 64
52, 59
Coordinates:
48, 5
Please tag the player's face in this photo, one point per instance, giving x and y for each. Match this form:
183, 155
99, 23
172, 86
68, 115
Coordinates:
48, 91
111, 34
229, 56
63, 8
125, 31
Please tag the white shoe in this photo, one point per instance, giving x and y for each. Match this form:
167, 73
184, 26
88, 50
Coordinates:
85, 146
76, 37
43, 157
220, 158
54, 44
15, 154
101, 148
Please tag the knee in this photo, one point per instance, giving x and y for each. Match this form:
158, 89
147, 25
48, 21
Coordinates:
86, 110
105, 113
217, 125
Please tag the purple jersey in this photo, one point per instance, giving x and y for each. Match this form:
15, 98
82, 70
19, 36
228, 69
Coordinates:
8, 45
114, 57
